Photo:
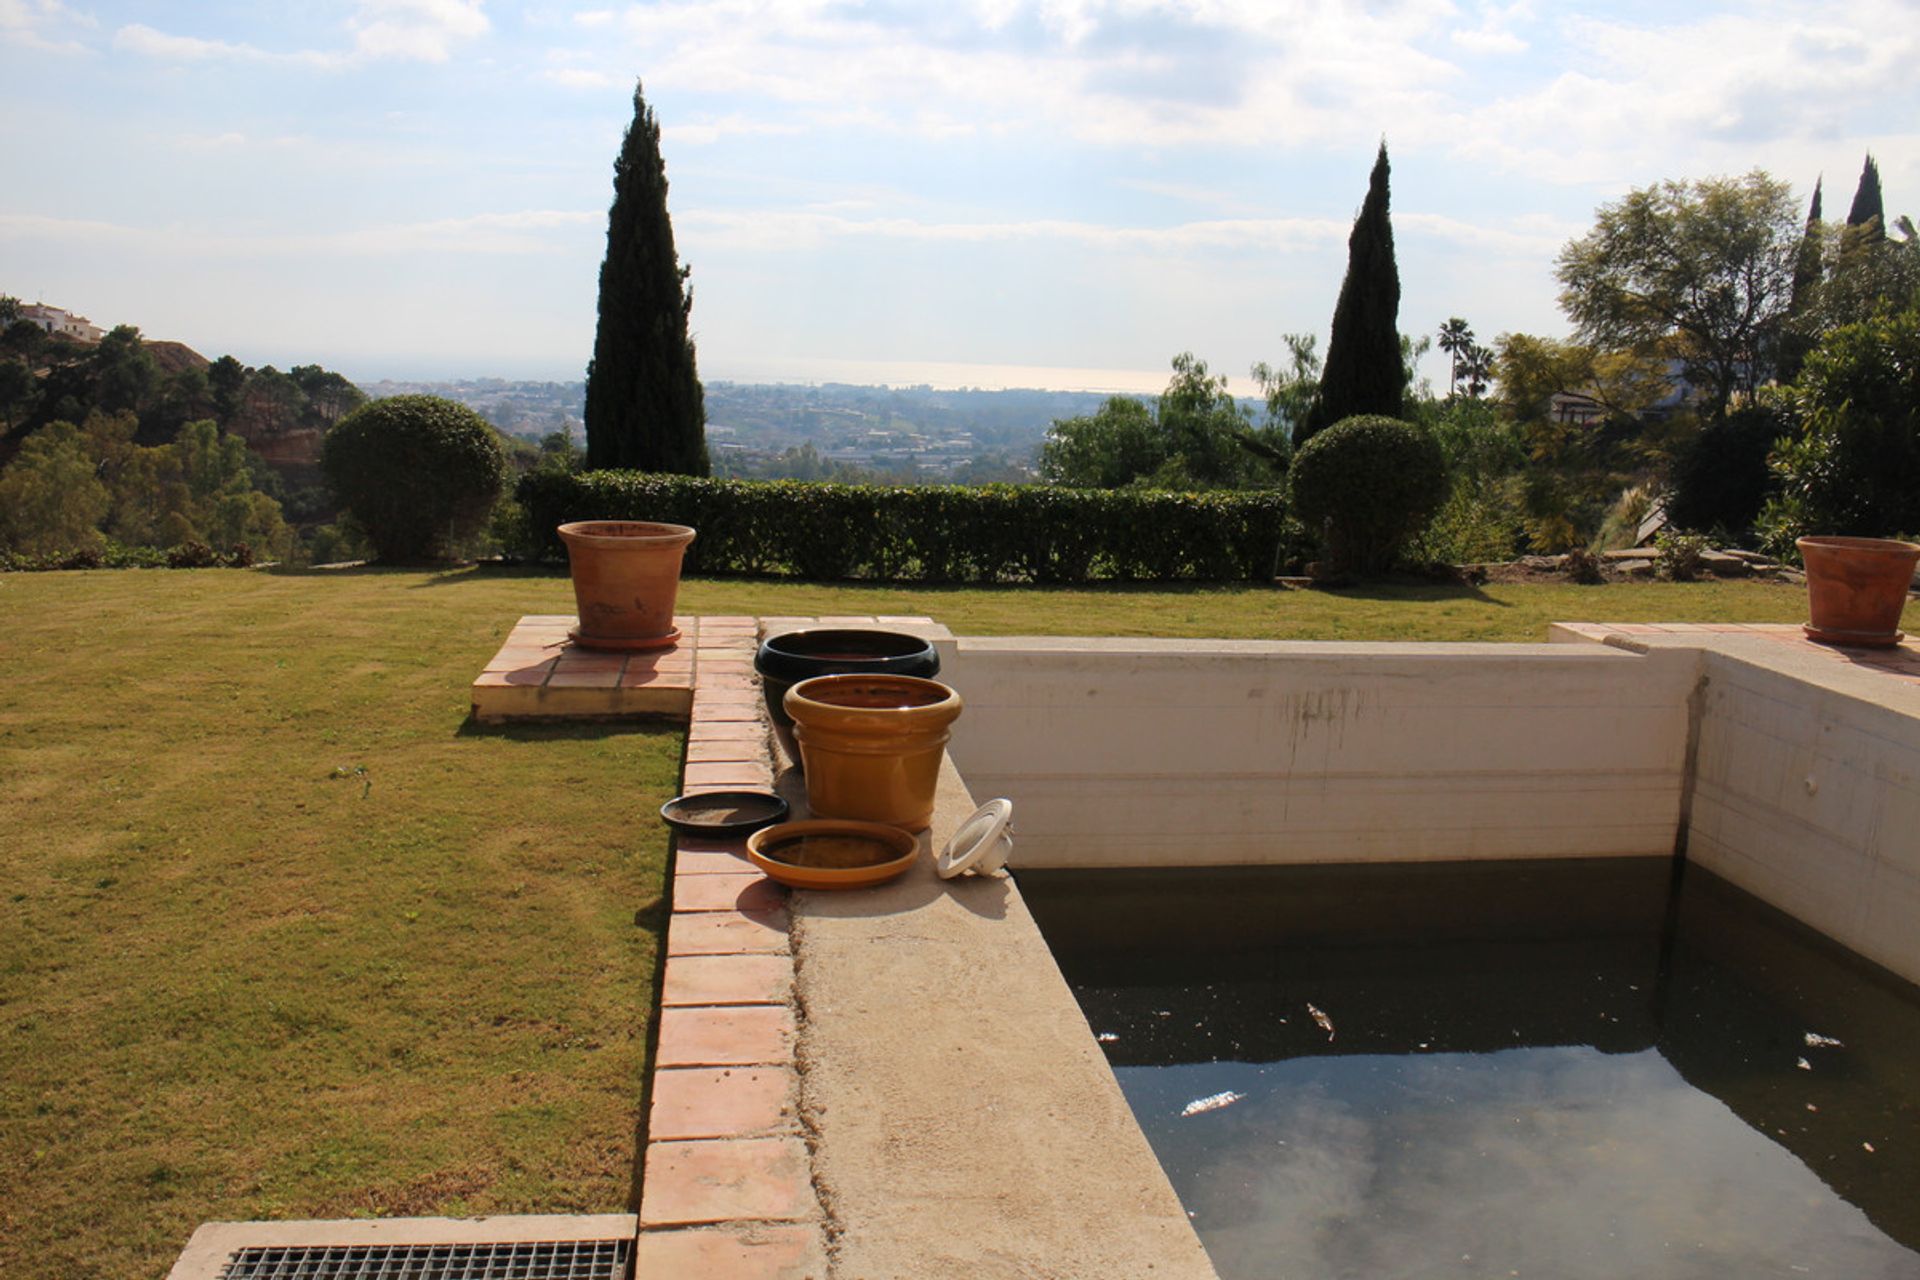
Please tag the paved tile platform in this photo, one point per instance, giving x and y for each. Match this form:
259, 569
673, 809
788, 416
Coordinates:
540, 674
1902, 661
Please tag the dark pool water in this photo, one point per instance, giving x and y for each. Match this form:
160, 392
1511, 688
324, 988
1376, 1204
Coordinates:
1554, 1070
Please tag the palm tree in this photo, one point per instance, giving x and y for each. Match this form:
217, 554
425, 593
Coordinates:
1476, 366
1456, 339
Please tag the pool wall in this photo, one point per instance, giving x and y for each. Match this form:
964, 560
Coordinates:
1143, 752
1807, 795
1791, 772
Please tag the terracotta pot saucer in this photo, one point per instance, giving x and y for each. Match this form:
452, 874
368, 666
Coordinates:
832, 853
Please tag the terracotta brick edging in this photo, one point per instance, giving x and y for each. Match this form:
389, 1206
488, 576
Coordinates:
728, 1191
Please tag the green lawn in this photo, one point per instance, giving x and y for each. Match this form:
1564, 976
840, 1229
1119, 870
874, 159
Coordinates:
282, 936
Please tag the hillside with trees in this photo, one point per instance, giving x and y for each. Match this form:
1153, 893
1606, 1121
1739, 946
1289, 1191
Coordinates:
137, 444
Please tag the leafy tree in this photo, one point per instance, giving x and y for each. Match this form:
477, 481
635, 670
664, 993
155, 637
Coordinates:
1868, 213
1290, 392
1533, 370
1204, 428
645, 407
1720, 479
18, 390
1456, 339
1854, 467
125, 373
24, 338
9, 309
1364, 371
1485, 452
1865, 275
50, 499
225, 377
329, 396
1577, 468
1196, 436
559, 453
1108, 449
1701, 270
270, 403
184, 396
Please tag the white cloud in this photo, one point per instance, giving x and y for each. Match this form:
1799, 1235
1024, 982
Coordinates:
1595, 100
31, 23
425, 30
1122, 73
422, 30
144, 40
1645, 104
1495, 34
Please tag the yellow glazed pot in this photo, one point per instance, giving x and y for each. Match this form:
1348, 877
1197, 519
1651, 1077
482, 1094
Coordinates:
626, 575
871, 745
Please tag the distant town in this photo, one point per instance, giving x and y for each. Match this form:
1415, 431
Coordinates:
758, 431
831, 431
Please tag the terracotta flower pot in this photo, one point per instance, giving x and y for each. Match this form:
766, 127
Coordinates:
784, 660
1856, 588
626, 574
871, 745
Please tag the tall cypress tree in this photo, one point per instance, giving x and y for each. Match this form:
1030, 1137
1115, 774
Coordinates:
1808, 267
1867, 205
645, 407
1364, 372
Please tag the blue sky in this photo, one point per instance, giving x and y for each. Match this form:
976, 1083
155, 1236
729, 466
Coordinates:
974, 192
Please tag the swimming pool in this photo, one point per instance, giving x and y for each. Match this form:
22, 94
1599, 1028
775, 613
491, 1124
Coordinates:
1546, 1068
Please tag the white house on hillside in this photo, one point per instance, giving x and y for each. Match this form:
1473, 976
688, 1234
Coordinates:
60, 321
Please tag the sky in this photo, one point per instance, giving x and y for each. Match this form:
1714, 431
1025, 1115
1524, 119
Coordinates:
1056, 193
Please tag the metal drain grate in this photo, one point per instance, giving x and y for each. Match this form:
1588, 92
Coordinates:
534, 1260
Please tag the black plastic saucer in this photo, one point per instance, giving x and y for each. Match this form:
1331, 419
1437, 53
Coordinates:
724, 813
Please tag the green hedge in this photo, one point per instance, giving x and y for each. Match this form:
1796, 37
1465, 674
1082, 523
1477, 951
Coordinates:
936, 533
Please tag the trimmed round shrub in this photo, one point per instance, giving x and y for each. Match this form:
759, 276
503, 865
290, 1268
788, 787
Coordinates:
420, 474
1367, 485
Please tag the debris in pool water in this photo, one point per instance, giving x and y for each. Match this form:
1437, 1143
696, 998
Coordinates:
1868, 1146
1106, 1037
1212, 1102
1817, 1041
1803, 1064
1322, 1021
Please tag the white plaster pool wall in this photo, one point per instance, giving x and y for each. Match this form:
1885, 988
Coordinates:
1152, 752
1807, 795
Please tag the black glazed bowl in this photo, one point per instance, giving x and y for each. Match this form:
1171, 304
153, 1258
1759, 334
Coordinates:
784, 661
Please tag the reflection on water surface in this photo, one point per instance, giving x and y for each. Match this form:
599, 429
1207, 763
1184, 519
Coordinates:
1541, 1069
